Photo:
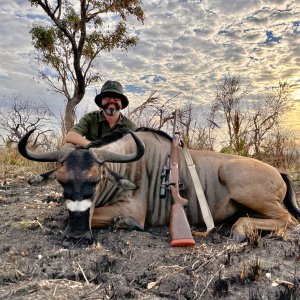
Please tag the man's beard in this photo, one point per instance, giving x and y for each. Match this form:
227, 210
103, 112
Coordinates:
111, 110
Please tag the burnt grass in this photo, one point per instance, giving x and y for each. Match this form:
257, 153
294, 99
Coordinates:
131, 264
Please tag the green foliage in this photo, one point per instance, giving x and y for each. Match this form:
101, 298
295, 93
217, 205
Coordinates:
72, 19
34, 2
76, 37
226, 150
239, 147
81, 35
43, 38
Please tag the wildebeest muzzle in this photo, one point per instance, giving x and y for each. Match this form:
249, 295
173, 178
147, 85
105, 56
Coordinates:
77, 231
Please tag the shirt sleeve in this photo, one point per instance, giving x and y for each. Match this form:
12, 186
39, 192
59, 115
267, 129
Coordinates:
131, 125
82, 127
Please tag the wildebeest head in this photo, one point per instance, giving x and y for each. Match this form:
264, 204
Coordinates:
79, 172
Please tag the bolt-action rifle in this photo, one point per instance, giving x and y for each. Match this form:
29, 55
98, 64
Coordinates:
180, 230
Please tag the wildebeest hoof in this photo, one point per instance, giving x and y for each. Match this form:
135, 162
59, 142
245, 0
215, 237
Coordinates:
238, 237
127, 223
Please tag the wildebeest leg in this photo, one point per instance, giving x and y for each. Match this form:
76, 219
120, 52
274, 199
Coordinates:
130, 211
275, 216
260, 188
239, 229
108, 215
127, 223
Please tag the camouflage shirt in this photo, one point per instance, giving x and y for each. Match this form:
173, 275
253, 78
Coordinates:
93, 125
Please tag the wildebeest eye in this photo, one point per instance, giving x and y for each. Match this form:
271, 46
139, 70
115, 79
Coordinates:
85, 192
67, 196
68, 192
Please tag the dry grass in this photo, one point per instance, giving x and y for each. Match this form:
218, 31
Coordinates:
281, 232
26, 224
252, 271
10, 158
253, 235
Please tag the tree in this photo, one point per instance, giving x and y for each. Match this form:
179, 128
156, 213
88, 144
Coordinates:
74, 40
18, 115
153, 112
156, 113
267, 114
247, 126
227, 109
280, 148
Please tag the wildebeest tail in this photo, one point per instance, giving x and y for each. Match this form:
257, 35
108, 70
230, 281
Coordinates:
290, 200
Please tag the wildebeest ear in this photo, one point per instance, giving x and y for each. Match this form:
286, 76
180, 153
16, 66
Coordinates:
120, 181
43, 178
126, 184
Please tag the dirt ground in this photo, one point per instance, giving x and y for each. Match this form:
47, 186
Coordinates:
131, 265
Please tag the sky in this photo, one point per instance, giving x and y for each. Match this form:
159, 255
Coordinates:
184, 47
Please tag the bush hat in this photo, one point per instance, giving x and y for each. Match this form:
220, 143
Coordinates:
110, 87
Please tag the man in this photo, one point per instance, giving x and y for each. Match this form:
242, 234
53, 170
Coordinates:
95, 124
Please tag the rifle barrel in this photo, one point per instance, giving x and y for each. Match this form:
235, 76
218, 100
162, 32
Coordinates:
175, 115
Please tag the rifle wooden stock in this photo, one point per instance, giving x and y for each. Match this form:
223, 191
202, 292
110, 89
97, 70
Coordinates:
180, 230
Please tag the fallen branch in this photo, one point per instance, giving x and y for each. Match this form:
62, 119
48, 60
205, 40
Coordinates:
83, 273
210, 280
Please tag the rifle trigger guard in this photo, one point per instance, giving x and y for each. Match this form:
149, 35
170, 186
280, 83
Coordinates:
181, 187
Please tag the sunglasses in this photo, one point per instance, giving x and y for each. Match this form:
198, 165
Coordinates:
115, 98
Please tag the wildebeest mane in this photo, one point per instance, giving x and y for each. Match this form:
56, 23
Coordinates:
155, 131
109, 137
118, 133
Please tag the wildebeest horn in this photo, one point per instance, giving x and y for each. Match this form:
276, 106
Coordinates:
108, 156
53, 156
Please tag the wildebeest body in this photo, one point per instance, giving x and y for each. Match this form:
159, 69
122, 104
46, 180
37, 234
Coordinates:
131, 190
228, 182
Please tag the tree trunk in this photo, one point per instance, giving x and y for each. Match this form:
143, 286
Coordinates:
69, 115
70, 111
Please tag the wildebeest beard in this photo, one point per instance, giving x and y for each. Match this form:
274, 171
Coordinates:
112, 109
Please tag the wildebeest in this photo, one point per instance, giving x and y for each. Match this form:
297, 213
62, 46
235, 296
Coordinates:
120, 182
